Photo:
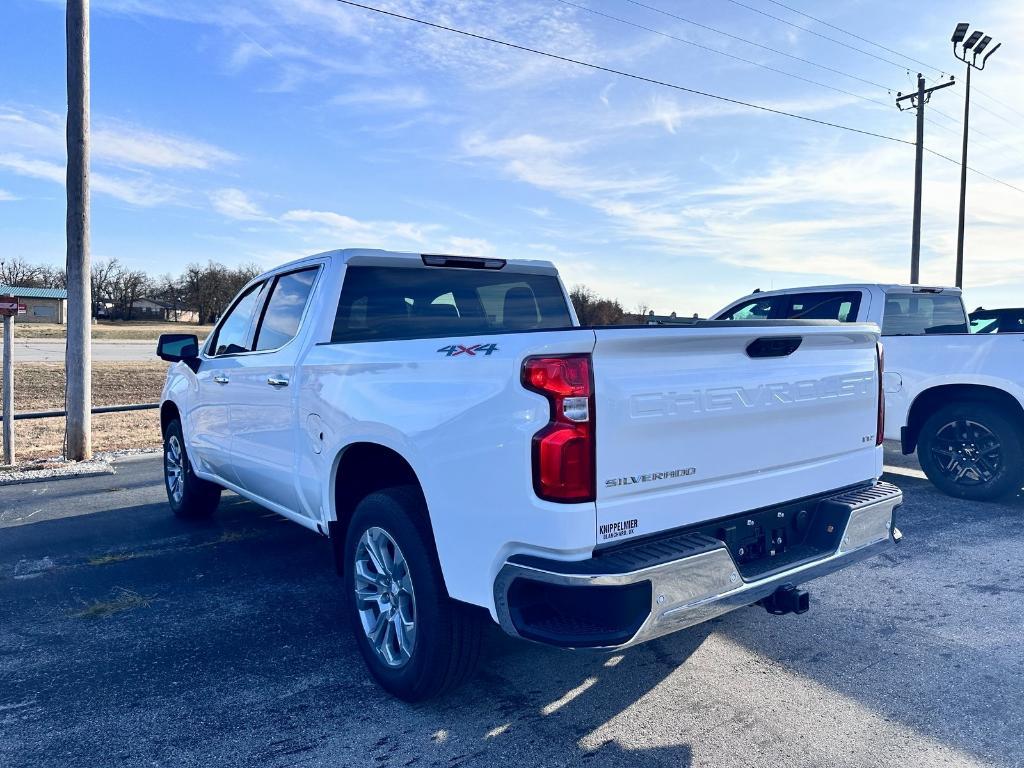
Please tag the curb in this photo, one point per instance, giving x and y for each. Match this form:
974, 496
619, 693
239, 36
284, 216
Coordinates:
30, 476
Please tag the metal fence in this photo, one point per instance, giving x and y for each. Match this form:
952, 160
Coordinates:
98, 409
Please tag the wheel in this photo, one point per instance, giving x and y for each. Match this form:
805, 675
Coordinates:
972, 451
416, 641
189, 496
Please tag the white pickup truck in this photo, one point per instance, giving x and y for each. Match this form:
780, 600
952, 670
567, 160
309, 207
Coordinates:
954, 397
470, 450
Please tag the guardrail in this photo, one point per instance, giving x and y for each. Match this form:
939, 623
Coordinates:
98, 409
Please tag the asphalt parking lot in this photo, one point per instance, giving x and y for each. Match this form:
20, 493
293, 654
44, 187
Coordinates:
130, 638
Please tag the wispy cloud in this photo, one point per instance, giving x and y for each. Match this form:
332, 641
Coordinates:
236, 204
348, 230
6, 196
113, 141
398, 97
137, 190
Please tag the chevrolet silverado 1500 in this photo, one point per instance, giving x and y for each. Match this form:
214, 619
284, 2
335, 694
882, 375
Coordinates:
955, 398
471, 450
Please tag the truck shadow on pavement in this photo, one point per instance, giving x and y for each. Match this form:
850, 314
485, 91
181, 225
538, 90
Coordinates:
131, 637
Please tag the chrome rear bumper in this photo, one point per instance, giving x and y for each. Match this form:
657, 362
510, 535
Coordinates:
698, 587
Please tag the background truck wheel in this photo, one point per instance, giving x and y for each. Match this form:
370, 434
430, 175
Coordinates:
972, 451
189, 496
416, 641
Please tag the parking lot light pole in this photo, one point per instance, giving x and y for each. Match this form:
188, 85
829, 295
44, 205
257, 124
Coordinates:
970, 48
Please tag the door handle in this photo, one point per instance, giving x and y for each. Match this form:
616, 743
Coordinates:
221, 379
278, 381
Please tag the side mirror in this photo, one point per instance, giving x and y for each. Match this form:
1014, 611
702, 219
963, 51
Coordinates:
179, 348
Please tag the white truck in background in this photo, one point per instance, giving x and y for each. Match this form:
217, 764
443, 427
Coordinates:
956, 398
471, 450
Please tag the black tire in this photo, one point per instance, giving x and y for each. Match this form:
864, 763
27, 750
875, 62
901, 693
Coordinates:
972, 451
197, 498
447, 634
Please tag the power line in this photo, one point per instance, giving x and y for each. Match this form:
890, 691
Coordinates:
721, 52
661, 83
858, 37
940, 70
722, 32
975, 170
621, 73
816, 34
1004, 105
596, 12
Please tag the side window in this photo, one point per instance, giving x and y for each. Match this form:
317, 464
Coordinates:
284, 309
824, 305
236, 329
758, 309
915, 314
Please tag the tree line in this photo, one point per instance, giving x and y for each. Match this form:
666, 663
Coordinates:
208, 288
203, 288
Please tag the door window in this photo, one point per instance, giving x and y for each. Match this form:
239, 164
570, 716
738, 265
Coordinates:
824, 305
757, 309
236, 328
284, 309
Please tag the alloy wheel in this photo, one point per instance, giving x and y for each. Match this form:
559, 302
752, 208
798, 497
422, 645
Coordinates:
174, 468
385, 598
967, 452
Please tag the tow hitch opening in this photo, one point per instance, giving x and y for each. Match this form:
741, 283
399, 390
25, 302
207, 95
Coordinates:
786, 599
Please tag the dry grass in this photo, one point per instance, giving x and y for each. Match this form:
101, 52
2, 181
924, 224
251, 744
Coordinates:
141, 330
121, 600
40, 387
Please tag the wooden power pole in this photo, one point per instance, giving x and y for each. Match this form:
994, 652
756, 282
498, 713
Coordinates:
78, 360
917, 100
8, 375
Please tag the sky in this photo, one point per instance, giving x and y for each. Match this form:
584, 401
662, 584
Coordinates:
264, 130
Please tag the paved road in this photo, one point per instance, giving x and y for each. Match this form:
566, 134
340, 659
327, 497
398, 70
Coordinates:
52, 350
228, 651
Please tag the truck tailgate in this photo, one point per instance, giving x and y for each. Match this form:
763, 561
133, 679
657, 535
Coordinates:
697, 423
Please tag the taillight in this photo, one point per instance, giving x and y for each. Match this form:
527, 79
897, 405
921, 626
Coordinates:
563, 452
880, 427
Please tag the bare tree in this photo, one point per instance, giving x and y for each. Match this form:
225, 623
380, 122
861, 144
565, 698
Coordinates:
592, 309
16, 271
128, 286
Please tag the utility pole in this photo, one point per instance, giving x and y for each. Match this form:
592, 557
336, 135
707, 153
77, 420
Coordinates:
971, 43
917, 101
8, 310
78, 359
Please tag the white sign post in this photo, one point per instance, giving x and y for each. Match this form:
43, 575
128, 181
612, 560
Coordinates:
8, 310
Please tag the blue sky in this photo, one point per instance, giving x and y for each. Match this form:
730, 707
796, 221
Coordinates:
263, 130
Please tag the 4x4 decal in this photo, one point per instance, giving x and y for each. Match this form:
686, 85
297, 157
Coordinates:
453, 350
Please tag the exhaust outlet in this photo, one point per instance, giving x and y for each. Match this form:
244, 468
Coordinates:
786, 599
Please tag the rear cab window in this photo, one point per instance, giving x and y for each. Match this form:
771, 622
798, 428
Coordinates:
920, 314
390, 303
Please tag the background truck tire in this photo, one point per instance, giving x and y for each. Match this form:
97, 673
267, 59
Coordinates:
972, 451
194, 498
446, 634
